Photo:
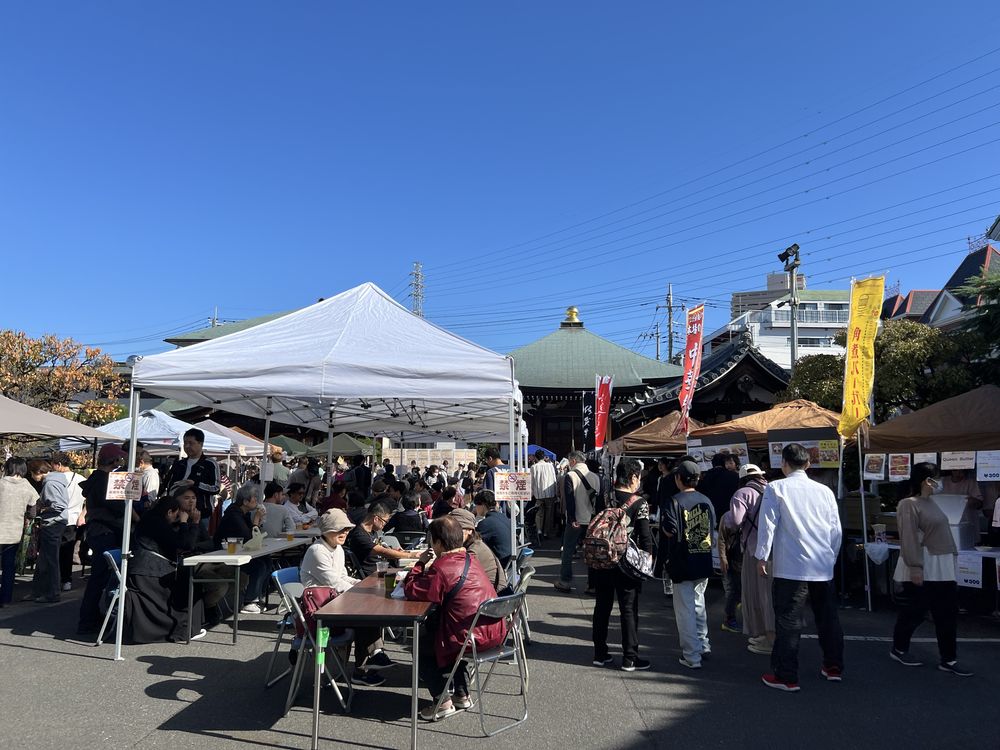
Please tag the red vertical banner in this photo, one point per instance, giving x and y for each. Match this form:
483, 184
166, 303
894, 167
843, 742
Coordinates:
602, 400
692, 365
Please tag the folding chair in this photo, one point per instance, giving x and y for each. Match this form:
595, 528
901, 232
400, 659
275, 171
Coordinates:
282, 579
501, 608
410, 539
353, 564
307, 652
114, 560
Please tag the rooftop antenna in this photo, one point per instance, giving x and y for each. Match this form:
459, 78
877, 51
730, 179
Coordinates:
417, 289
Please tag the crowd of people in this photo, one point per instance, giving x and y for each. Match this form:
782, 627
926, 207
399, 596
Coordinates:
774, 544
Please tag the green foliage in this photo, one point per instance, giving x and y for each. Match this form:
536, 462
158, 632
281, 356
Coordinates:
982, 331
818, 378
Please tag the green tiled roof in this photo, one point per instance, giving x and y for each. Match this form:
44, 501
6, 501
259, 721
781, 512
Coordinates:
214, 332
570, 357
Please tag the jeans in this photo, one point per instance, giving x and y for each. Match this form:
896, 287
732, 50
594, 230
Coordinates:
46, 582
692, 621
100, 574
434, 676
732, 584
257, 571
8, 558
545, 519
611, 584
570, 539
941, 599
789, 614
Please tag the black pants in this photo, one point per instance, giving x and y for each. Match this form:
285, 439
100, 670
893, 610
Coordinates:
610, 584
100, 575
66, 550
789, 617
941, 599
435, 676
46, 582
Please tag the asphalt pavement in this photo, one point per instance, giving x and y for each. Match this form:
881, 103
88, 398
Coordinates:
59, 692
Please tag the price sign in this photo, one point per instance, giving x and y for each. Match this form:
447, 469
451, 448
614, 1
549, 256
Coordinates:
124, 485
988, 466
969, 570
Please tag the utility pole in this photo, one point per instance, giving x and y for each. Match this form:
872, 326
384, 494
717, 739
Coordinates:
669, 307
417, 289
655, 335
790, 257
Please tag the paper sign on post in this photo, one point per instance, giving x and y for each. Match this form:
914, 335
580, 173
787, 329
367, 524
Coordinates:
124, 485
988, 466
512, 487
958, 460
899, 467
969, 570
925, 458
875, 466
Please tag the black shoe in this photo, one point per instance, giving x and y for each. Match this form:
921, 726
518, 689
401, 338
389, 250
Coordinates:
602, 662
632, 665
952, 666
904, 658
379, 661
370, 679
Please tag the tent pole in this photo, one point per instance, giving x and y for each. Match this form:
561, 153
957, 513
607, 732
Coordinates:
329, 452
864, 530
127, 525
265, 455
512, 438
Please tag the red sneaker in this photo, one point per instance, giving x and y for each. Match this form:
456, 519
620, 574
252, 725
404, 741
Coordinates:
833, 674
773, 682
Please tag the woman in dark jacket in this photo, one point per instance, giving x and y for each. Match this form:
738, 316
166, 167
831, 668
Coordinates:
458, 585
156, 605
612, 583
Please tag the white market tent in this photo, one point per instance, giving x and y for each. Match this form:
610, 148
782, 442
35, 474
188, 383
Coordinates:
329, 366
157, 431
243, 445
21, 420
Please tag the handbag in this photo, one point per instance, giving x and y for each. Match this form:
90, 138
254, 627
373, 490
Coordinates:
636, 563
256, 542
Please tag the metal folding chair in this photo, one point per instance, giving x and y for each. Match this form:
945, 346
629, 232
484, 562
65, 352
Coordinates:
282, 579
410, 539
502, 608
307, 652
114, 560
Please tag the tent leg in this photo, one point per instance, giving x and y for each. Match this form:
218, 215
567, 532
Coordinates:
329, 453
127, 527
864, 531
513, 445
267, 435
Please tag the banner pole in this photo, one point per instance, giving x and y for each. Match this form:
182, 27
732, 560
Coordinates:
127, 521
864, 530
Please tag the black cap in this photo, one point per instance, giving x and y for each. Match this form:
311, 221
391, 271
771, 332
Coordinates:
688, 470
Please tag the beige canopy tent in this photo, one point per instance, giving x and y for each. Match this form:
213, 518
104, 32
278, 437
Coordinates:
19, 420
653, 438
792, 415
970, 422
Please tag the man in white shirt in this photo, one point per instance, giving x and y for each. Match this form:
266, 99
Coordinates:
543, 492
800, 525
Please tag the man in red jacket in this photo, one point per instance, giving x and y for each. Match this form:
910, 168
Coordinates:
457, 583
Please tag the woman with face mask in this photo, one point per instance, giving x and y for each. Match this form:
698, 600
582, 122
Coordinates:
926, 572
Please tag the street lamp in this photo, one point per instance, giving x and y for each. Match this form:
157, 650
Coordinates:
790, 257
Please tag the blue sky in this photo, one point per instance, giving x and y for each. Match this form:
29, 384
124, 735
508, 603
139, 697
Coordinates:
160, 159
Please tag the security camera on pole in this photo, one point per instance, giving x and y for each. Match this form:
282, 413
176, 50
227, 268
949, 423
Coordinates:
790, 257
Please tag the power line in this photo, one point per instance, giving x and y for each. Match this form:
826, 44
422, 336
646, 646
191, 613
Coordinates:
744, 160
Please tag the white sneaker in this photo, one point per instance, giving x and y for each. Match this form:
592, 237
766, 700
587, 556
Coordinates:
67, 586
253, 608
199, 635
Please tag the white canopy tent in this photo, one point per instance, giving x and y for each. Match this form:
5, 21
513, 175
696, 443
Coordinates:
157, 431
243, 445
327, 367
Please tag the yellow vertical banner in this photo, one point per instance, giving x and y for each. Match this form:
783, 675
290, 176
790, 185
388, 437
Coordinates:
859, 363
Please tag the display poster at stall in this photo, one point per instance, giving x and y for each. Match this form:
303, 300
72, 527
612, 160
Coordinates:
124, 485
969, 570
925, 458
874, 466
822, 443
704, 449
899, 467
958, 460
988, 466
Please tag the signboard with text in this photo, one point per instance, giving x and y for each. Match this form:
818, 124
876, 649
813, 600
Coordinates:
124, 485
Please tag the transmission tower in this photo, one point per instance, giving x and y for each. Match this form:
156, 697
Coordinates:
417, 289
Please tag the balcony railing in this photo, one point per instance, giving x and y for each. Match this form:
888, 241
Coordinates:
812, 316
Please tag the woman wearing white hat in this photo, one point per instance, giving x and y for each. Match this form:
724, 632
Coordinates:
758, 614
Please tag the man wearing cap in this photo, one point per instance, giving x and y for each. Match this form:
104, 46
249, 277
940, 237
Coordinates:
323, 565
105, 520
475, 544
689, 520
800, 526
758, 613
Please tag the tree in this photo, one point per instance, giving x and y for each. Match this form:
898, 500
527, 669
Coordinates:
982, 331
56, 374
915, 366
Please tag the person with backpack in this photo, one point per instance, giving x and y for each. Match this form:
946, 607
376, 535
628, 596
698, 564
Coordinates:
629, 513
758, 613
690, 521
580, 490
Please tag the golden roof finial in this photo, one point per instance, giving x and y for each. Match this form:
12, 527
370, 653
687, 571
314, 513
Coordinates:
572, 315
